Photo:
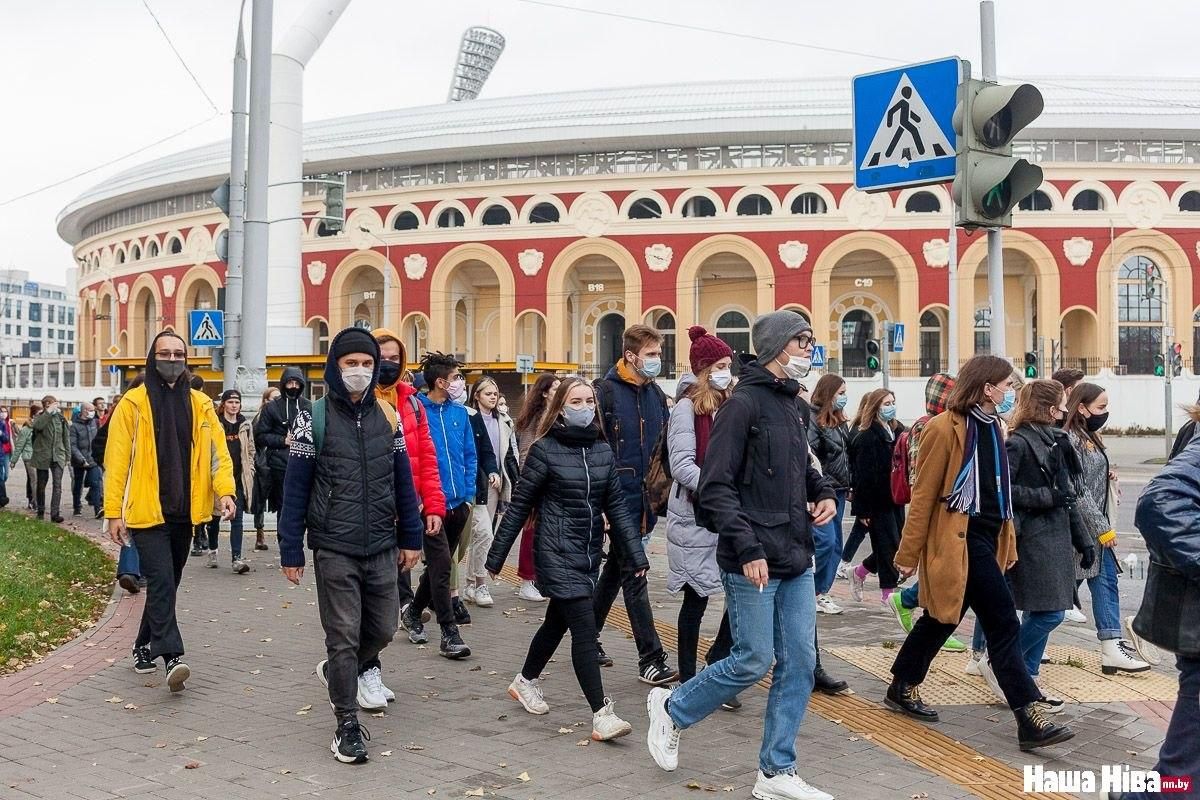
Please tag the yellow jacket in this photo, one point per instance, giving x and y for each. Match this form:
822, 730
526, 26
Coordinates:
131, 462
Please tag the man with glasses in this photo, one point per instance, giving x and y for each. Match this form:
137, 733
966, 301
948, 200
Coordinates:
165, 460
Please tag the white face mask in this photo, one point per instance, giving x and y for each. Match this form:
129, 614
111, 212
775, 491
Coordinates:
357, 379
720, 378
796, 367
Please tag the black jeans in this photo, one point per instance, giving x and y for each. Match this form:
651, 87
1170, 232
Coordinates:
988, 594
162, 553
691, 613
575, 615
357, 601
619, 576
722, 646
54, 474
92, 477
434, 588
885, 540
858, 532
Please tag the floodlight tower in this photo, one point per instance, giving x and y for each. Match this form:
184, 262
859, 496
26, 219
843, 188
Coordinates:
478, 53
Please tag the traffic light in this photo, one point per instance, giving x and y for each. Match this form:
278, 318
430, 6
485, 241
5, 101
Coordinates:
1176, 352
989, 182
335, 206
1160, 367
1031, 365
873, 349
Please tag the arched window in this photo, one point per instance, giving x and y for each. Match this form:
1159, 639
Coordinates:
152, 249
451, 218
983, 330
496, 215
120, 256
922, 203
931, 343
733, 328
1036, 201
320, 334
406, 221
699, 206
324, 230
1196, 342
175, 246
1139, 316
664, 323
1088, 200
645, 208
544, 212
754, 205
809, 203
135, 253
1190, 202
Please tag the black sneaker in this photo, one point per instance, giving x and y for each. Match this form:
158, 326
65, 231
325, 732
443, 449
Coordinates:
658, 673
461, 615
129, 583
732, 704
177, 673
143, 664
414, 626
348, 745
452, 644
604, 658
78, 512
197, 551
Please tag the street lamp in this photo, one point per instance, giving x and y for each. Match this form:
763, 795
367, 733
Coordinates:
478, 53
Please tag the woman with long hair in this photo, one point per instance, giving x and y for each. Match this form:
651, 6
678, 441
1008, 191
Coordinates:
1042, 462
570, 478
960, 533
484, 400
525, 426
871, 468
829, 440
1097, 487
858, 531
692, 548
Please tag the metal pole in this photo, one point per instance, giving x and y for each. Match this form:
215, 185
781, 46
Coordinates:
987, 46
952, 297
883, 356
237, 210
1168, 369
254, 329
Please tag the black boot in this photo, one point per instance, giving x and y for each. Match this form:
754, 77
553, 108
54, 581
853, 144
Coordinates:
1034, 730
905, 698
823, 682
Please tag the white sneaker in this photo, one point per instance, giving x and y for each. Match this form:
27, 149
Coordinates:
856, 584
825, 605
387, 693
606, 725
662, 737
468, 593
370, 691
212, 559
843, 570
1146, 651
972, 667
1075, 615
529, 695
530, 593
989, 677
240, 567
1049, 704
1118, 655
786, 786
483, 597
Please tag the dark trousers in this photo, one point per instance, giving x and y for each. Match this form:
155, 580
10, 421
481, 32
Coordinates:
691, 614
30, 485
722, 646
434, 588
885, 540
357, 601
616, 576
858, 532
988, 594
91, 478
54, 475
575, 615
162, 554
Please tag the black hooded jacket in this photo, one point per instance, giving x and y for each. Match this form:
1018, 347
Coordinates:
757, 479
271, 430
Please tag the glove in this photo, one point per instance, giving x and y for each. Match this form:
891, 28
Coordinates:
1087, 557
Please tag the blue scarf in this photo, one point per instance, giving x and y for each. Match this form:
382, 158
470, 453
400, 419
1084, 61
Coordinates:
964, 497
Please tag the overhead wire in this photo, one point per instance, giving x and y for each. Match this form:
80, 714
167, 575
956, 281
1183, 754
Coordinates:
179, 56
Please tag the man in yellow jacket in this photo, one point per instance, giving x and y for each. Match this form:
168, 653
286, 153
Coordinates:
163, 470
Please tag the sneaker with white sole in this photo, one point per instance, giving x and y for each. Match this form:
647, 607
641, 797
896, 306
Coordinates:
856, 584
388, 694
212, 559
606, 725
989, 677
177, 673
662, 736
529, 695
240, 567
1048, 704
843, 570
348, 745
323, 672
972, 667
1146, 651
468, 593
483, 597
825, 605
370, 690
1118, 655
786, 786
143, 664
529, 593
657, 673
1075, 615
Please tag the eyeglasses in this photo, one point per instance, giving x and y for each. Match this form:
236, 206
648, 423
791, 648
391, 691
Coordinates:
170, 355
806, 339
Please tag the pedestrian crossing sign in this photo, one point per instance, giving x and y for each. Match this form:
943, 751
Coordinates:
818, 356
903, 125
207, 327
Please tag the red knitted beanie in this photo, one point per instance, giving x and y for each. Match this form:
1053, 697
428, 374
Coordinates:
706, 349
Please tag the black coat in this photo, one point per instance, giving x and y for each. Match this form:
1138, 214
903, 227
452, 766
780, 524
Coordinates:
1040, 461
570, 480
870, 454
486, 456
831, 447
275, 421
757, 480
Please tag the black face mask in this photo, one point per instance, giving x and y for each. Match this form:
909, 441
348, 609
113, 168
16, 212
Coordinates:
389, 373
1096, 421
169, 371
292, 391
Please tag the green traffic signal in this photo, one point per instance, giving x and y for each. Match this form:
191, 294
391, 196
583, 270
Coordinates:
996, 201
873, 363
1160, 369
1030, 371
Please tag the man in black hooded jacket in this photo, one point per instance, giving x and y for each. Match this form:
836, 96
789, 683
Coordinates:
272, 432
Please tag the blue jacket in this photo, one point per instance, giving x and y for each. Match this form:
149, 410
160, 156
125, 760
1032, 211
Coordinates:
450, 429
632, 418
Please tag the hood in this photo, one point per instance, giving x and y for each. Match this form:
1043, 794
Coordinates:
383, 335
293, 373
937, 393
686, 382
754, 374
333, 375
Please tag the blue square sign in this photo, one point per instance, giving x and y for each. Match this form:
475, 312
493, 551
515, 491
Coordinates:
903, 125
206, 327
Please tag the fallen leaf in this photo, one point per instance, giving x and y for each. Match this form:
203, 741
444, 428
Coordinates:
160, 745
386, 753
493, 672
502, 717
413, 747
432, 791
583, 742
473, 792
113, 699
502, 765
854, 738
201, 738
565, 730
39, 683
977, 758
727, 789
256, 672
285, 772
919, 796
192, 765
52, 700
266, 639
475, 668
524, 777
89, 644
130, 707
379, 715
68, 666
430, 677
307, 707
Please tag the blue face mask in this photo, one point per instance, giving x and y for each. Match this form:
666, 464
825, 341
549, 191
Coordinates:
840, 401
888, 413
650, 368
1006, 405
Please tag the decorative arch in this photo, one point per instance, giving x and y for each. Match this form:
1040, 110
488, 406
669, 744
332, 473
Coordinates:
136, 325
198, 274
689, 270
537, 200
809, 188
556, 294
414, 335
645, 194
531, 332
340, 313
169, 238
120, 258
441, 297
699, 191
1177, 195
899, 258
85, 321
1110, 199
741, 193
488, 202
399, 209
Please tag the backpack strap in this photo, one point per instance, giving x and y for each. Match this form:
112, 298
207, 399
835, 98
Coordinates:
318, 416
389, 411
604, 399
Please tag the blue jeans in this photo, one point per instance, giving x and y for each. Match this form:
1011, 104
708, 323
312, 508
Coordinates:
1178, 754
777, 624
4, 459
128, 562
908, 595
827, 539
1106, 601
1036, 627
978, 642
235, 532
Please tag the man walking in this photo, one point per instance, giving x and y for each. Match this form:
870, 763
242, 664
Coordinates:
84, 469
272, 432
755, 487
51, 451
165, 460
348, 483
633, 413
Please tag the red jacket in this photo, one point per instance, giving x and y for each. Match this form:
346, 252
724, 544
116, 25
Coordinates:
420, 450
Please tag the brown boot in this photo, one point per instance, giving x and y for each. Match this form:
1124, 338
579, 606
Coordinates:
259, 542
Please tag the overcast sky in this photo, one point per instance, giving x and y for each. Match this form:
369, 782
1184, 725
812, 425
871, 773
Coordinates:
89, 81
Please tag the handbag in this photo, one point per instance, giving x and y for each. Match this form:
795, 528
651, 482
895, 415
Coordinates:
1169, 610
658, 477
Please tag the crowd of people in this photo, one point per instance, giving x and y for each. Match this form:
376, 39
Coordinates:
1000, 499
